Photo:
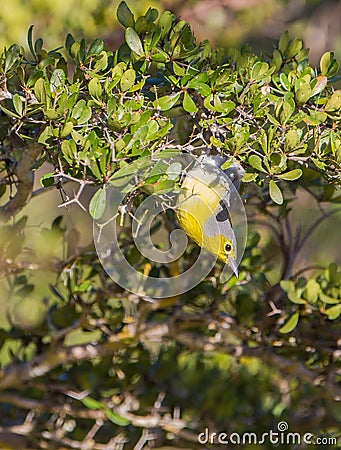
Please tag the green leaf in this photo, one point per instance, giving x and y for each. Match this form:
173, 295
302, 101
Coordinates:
102, 62
69, 41
327, 299
39, 90
57, 80
96, 47
292, 138
164, 186
8, 112
165, 22
293, 294
275, 193
69, 150
294, 47
97, 204
127, 79
294, 298
125, 16
116, 418
202, 88
151, 15
81, 112
47, 179
188, 104
315, 117
159, 55
303, 94
178, 70
46, 134
290, 324
95, 88
91, 403
291, 175
256, 162
276, 59
333, 312
313, 290
334, 103
159, 169
18, 104
133, 41
126, 173
174, 170
328, 64
30, 40
248, 177
287, 285
38, 45
68, 127
284, 81
259, 70
283, 42
321, 83
167, 102
11, 56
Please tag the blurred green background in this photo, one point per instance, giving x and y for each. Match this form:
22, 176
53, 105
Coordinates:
222, 22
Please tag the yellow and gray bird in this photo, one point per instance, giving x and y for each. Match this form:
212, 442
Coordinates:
204, 203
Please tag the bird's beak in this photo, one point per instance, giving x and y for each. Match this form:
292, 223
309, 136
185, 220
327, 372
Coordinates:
226, 272
233, 264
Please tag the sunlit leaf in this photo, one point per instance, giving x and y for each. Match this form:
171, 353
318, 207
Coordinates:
292, 175
134, 42
290, 324
275, 193
97, 204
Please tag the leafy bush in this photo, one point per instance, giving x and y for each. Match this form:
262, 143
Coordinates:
88, 363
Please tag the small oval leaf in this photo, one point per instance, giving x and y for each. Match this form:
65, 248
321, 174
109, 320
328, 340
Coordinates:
91, 403
290, 176
290, 324
128, 80
97, 204
275, 193
134, 42
334, 103
116, 418
333, 312
125, 16
256, 162
188, 104
167, 102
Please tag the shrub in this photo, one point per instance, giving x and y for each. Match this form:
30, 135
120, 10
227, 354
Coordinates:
89, 364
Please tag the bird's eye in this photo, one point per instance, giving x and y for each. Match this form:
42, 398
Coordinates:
228, 248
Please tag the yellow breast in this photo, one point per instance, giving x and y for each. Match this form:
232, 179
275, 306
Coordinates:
198, 200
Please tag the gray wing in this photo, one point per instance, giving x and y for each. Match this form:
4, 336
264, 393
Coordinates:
235, 172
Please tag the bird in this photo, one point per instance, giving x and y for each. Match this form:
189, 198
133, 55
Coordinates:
203, 206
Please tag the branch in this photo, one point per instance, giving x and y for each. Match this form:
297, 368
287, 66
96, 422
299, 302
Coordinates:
15, 376
25, 177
